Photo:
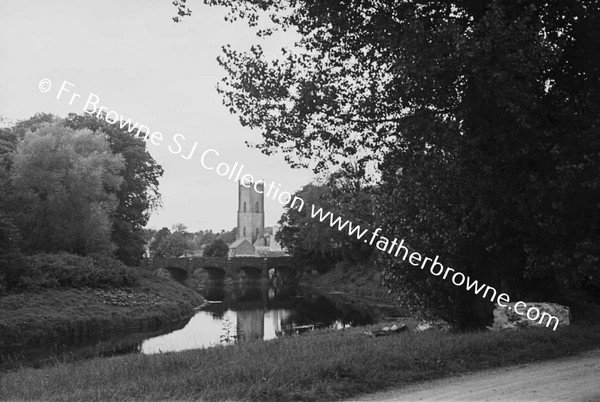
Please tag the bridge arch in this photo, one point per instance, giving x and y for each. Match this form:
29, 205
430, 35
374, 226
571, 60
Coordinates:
249, 272
210, 272
179, 274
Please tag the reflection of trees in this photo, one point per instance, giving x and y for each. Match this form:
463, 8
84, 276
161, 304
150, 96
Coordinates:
215, 294
325, 311
306, 308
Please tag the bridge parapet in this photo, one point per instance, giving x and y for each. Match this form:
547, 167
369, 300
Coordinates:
231, 266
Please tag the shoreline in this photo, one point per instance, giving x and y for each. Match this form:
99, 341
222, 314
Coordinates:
51, 318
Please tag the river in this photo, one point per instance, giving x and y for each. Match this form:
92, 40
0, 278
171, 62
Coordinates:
235, 313
248, 313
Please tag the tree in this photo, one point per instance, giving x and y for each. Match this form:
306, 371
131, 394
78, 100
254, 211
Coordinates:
157, 240
228, 237
11, 263
10, 258
64, 181
138, 196
483, 117
179, 227
174, 245
318, 242
217, 248
171, 244
148, 235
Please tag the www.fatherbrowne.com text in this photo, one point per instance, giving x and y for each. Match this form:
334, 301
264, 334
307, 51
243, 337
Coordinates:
398, 248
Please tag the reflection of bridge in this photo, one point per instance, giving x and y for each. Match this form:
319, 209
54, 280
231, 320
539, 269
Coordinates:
223, 267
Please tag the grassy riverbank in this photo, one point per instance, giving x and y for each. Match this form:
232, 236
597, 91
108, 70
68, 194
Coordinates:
324, 365
45, 316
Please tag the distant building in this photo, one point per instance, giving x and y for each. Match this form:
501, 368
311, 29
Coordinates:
251, 211
251, 224
241, 248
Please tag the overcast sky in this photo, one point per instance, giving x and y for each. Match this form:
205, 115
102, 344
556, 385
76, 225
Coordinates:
161, 74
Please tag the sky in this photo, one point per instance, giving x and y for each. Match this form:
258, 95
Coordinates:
142, 65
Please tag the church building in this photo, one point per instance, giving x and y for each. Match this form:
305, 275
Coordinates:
251, 212
252, 237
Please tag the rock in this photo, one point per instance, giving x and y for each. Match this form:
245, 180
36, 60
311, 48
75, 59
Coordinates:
508, 318
400, 328
440, 325
423, 326
387, 330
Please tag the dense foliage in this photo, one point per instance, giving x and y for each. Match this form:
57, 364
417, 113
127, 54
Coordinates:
179, 242
75, 185
67, 183
138, 195
73, 271
217, 248
64, 181
344, 195
482, 116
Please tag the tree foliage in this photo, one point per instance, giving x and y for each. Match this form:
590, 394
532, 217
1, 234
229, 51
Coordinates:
138, 196
483, 117
175, 243
218, 248
64, 181
344, 195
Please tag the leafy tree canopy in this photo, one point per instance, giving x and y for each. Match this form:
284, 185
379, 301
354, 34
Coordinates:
138, 196
218, 248
64, 181
342, 194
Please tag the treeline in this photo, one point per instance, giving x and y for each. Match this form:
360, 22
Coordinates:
178, 242
72, 188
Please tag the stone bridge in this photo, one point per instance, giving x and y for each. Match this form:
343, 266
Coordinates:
219, 268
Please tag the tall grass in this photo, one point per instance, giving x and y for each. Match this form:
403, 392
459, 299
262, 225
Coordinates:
324, 365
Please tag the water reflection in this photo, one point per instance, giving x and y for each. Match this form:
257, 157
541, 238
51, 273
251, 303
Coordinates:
249, 313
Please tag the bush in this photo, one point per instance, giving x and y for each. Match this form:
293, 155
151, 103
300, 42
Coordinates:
73, 271
12, 267
217, 248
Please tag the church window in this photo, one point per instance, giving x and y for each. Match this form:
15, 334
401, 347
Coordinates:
244, 232
257, 233
244, 206
257, 210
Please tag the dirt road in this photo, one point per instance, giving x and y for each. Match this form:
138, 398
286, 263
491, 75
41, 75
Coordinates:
574, 378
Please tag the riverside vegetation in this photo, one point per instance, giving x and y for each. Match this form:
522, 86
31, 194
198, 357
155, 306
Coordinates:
64, 298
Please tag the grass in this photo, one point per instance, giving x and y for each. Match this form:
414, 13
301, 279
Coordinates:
324, 365
48, 316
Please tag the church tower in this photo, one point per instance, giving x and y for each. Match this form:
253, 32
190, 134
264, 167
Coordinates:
251, 211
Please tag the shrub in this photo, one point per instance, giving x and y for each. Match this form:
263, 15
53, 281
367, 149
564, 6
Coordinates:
73, 271
12, 267
217, 248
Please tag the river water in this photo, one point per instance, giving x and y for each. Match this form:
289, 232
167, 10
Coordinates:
248, 313
235, 313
